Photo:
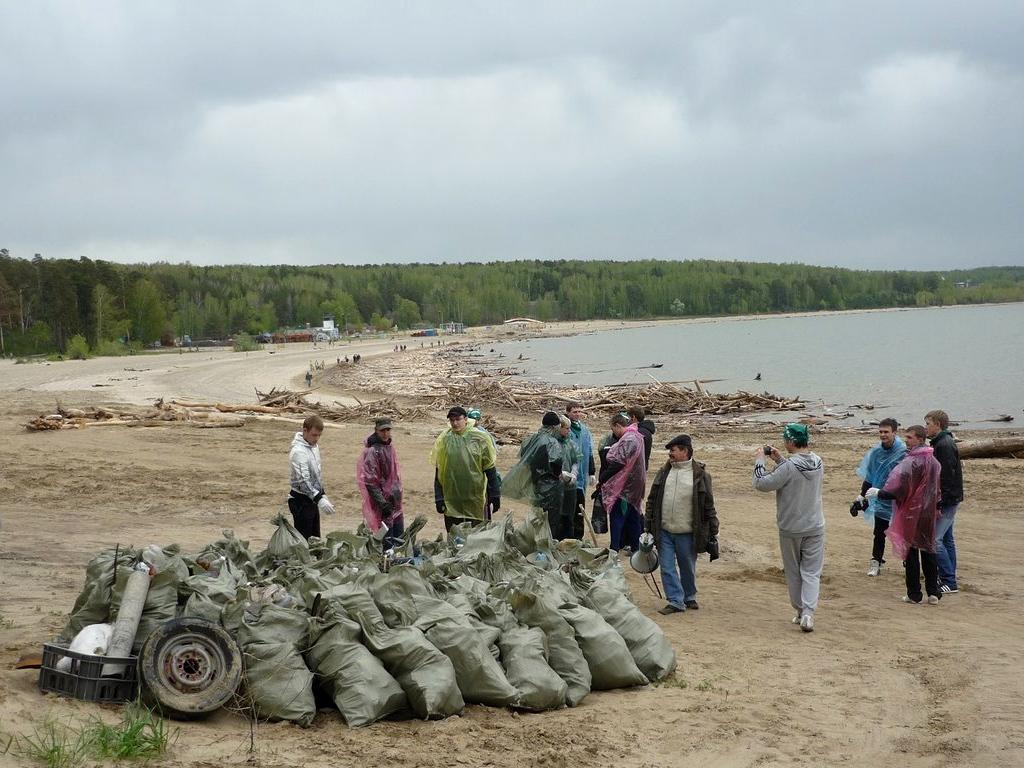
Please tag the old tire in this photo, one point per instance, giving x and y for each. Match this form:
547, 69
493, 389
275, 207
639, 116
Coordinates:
190, 667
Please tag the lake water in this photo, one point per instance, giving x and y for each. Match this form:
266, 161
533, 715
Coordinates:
966, 360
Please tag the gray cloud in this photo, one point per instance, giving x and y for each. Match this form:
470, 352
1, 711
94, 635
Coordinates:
862, 135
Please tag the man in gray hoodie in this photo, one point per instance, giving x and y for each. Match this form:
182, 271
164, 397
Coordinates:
796, 481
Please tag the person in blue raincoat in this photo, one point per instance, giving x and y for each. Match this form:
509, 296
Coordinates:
874, 470
584, 442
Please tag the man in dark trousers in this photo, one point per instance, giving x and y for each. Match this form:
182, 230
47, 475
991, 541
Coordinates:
307, 500
951, 482
681, 514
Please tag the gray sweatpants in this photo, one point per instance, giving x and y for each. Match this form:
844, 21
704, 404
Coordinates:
803, 557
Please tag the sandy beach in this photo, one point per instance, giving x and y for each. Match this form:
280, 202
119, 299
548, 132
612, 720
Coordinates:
877, 681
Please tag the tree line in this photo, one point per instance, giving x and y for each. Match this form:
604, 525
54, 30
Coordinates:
47, 303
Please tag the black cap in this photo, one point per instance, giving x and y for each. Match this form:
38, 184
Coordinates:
384, 423
683, 441
551, 419
457, 410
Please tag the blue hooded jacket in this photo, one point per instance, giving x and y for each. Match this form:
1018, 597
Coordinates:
875, 468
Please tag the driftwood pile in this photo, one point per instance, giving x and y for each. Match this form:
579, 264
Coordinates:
483, 390
275, 404
286, 401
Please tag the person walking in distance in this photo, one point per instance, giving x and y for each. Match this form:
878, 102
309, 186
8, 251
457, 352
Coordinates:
796, 481
306, 499
936, 425
874, 470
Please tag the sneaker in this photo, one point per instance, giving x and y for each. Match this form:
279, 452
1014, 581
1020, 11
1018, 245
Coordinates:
948, 590
908, 599
807, 623
933, 599
669, 609
874, 568
691, 605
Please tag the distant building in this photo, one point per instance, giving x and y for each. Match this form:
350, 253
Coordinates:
522, 323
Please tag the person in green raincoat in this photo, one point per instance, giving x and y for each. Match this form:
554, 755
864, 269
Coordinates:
572, 513
538, 478
465, 479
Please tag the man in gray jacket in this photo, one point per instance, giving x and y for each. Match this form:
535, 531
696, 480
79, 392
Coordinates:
796, 481
307, 500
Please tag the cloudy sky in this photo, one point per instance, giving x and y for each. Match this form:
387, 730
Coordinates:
861, 134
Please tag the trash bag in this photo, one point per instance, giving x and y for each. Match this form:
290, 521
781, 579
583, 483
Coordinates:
647, 643
345, 670
599, 515
480, 677
425, 674
488, 538
236, 551
533, 534
564, 654
527, 668
611, 664
393, 593
273, 639
287, 544
211, 592
93, 603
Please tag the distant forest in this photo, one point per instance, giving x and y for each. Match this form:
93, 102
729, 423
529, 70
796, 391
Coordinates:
46, 304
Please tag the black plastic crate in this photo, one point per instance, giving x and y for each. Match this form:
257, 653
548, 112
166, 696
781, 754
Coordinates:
85, 679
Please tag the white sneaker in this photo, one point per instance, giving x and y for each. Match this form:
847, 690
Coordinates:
874, 568
807, 623
933, 600
796, 619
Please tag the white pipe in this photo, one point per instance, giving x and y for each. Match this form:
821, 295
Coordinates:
128, 617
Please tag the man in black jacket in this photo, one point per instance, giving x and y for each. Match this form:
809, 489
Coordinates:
951, 482
646, 428
681, 514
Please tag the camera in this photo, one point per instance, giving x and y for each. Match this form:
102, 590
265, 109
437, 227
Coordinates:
768, 450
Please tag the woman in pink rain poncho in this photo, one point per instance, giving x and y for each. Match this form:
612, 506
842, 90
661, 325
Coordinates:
623, 482
913, 486
380, 483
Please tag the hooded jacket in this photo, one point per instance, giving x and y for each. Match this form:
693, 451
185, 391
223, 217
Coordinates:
305, 468
647, 430
797, 483
380, 482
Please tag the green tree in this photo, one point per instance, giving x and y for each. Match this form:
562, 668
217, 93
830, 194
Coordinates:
146, 311
407, 313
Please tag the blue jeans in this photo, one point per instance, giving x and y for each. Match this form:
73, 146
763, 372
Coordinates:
945, 547
680, 585
625, 525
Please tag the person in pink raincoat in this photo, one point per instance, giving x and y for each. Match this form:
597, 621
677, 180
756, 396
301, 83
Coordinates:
380, 483
623, 482
913, 486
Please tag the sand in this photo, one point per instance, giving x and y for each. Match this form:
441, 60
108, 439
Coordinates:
877, 681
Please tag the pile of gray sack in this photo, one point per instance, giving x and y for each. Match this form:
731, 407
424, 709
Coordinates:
499, 615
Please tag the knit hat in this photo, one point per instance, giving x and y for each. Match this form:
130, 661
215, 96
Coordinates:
798, 433
551, 419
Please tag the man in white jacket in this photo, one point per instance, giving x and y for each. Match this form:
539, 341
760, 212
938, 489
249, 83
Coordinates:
796, 481
307, 500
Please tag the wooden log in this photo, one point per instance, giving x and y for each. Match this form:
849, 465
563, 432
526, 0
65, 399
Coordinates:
992, 448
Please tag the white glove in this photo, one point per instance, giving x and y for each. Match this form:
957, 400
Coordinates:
325, 506
592, 481
871, 493
567, 478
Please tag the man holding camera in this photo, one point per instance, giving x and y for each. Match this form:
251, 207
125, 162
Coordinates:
681, 514
796, 481
874, 469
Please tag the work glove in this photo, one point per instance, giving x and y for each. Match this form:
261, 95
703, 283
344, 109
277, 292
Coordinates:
871, 493
325, 506
495, 502
592, 481
386, 510
858, 506
439, 505
568, 478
